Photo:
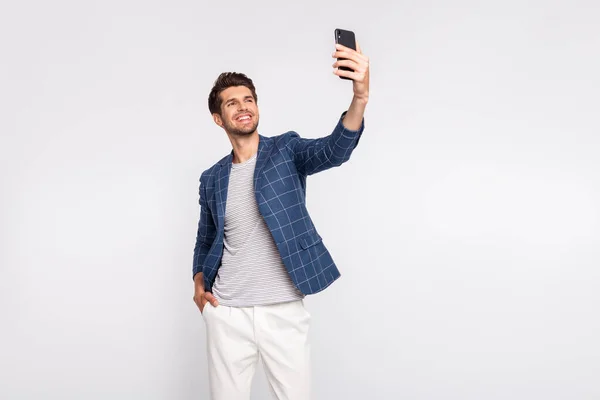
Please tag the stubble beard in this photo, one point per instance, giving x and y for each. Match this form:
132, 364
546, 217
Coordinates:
234, 131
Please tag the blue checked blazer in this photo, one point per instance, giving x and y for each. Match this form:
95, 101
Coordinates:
282, 165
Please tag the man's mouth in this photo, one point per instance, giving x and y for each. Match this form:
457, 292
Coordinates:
244, 118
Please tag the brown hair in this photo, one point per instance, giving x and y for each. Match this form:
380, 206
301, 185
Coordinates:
224, 81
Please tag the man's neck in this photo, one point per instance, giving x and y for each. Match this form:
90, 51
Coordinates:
244, 147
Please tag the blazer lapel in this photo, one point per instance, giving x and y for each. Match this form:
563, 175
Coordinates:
261, 157
222, 184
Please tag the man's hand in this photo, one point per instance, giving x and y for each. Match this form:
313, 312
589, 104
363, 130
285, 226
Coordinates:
202, 297
359, 63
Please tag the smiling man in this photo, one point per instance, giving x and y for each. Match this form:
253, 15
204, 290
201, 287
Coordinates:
258, 253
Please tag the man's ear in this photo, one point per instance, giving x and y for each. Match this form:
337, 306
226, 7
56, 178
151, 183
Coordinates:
217, 119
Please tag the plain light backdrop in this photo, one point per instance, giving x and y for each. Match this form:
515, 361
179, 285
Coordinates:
466, 224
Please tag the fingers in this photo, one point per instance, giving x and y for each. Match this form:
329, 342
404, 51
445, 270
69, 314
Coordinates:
346, 52
349, 74
202, 298
210, 298
357, 62
350, 64
353, 59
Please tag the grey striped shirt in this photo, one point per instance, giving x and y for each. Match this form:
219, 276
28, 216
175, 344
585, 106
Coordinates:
251, 272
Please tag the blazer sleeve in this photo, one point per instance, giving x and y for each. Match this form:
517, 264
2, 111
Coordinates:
316, 155
206, 231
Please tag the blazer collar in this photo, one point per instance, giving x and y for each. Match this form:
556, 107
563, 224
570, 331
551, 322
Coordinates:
264, 145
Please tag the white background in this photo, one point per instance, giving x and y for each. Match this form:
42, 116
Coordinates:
466, 224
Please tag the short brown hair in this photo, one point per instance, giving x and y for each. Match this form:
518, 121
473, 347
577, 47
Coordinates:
224, 81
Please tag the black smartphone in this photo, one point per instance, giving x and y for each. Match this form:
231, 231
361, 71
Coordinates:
345, 38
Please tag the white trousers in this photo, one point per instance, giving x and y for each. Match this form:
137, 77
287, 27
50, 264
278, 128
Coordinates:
237, 336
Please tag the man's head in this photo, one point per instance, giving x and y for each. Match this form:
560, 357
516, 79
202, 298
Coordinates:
233, 104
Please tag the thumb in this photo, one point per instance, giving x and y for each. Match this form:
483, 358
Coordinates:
212, 299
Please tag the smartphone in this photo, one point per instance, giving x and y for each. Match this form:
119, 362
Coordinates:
345, 38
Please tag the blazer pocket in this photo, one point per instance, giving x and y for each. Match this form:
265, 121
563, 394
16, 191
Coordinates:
310, 239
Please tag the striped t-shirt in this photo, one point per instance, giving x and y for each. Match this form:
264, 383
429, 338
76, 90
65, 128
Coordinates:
251, 272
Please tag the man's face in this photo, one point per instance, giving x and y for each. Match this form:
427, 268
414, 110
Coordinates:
239, 112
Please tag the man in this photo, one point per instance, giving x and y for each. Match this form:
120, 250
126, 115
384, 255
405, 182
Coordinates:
257, 250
